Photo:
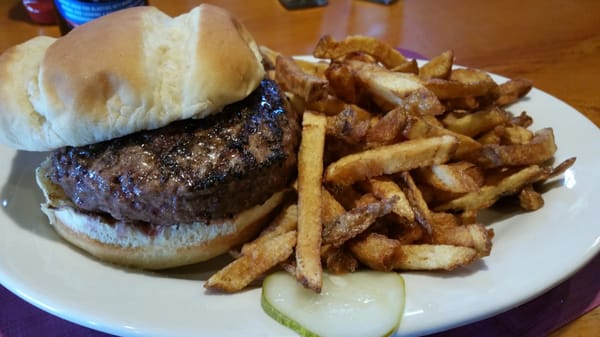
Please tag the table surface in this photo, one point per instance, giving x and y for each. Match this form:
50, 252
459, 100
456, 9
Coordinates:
555, 43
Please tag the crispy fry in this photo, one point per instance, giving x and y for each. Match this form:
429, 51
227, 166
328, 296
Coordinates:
327, 47
433, 257
388, 129
473, 124
418, 128
375, 120
459, 177
291, 78
560, 168
540, 149
253, 263
338, 260
512, 90
345, 85
467, 103
409, 235
316, 69
488, 195
387, 88
355, 221
462, 83
408, 67
515, 135
310, 170
417, 202
474, 236
377, 251
331, 208
438, 67
523, 119
391, 159
384, 187
285, 221
330, 106
347, 126
530, 199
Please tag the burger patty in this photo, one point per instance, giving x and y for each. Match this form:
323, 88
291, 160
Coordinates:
189, 170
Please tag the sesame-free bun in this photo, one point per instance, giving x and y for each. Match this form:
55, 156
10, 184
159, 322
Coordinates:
131, 70
145, 246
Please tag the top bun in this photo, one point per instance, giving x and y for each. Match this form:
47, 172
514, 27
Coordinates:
131, 70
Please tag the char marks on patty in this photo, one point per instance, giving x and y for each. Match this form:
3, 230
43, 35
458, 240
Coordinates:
188, 170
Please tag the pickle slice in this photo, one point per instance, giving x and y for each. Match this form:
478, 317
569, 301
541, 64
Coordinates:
361, 304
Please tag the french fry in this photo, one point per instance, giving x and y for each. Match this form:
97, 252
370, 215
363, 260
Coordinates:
331, 208
386, 88
384, 187
462, 83
530, 199
377, 251
327, 47
512, 90
285, 221
540, 149
338, 260
330, 106
433, 257
417, 202
473, 124
438, 67
387, 129
373, 121
355, 221
515, 135
467, 103
488, 195
291, 78
418, 128
310, 170
253, 263
560, 168
348, 126
345, 85
458, 177
316, 69
411, 67
474, 236
391, 159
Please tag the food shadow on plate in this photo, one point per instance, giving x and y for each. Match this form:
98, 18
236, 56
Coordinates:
21, 197
198, 272
460, 272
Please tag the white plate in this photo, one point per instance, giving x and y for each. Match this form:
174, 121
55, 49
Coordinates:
532, 252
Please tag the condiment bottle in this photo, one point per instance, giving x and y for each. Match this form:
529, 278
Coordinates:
72, 13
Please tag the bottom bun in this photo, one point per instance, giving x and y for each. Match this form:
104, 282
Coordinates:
148, 246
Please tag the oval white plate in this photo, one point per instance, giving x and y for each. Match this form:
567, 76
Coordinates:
532, 252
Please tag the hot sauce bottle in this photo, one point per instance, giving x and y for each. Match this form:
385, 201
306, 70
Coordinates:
72, 13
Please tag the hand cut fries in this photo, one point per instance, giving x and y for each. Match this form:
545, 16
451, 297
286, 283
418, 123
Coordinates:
310, 226
396, 162
328, 48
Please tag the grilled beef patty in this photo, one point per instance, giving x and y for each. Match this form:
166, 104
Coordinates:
189, 170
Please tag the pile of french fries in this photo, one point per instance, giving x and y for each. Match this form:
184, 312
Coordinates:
395, 163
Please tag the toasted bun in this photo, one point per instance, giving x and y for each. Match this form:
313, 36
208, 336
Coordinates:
122, 243
132, 70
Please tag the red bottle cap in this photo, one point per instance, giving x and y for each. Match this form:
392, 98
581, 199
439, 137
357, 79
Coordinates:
40, 11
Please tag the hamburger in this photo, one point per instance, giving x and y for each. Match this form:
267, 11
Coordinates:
167, 145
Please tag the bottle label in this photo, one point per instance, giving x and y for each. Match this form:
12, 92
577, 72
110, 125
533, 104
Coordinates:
77, 13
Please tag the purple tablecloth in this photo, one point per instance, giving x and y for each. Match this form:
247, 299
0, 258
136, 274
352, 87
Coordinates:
553, 309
